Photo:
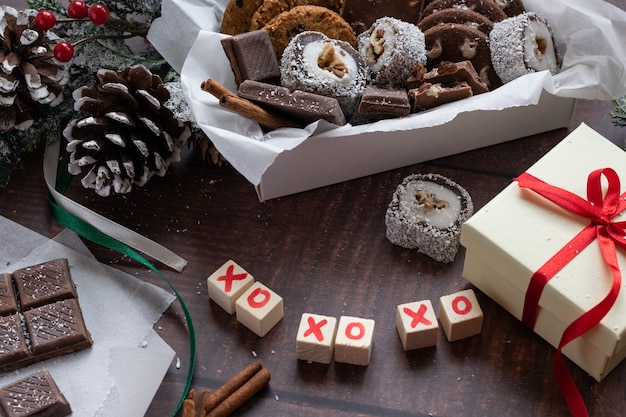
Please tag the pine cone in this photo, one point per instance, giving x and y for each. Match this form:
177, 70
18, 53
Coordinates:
129, 134
29, 74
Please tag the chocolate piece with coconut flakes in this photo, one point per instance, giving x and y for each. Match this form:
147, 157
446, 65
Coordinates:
299, 105
383, 101
36, 395
46, 320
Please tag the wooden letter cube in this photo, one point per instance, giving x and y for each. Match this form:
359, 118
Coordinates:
354, 340
417, 325
259, 309
315, 341
227, 284
460, 315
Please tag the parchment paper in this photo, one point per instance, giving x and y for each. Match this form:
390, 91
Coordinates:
119, 374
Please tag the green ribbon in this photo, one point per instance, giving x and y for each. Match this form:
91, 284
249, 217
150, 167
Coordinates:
88, 231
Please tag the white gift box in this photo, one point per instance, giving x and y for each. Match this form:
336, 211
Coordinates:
514, 234
286, 161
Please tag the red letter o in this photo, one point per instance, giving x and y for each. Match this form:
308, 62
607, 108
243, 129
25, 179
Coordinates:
467, 305
258, 304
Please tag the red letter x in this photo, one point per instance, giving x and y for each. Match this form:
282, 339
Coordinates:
230, 277
418, 316
315, 328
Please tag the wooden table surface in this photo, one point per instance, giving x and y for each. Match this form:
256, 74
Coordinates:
324, 251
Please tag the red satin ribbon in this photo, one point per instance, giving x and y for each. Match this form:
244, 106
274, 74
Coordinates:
599, 208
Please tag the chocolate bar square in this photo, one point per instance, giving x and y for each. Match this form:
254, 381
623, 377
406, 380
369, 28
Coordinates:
42, 283
383, 101
33, 396
56, 327
251, 57
47, 320
7, 296
299, 105
12, 343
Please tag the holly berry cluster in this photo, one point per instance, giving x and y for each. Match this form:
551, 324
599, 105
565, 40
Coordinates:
77, 10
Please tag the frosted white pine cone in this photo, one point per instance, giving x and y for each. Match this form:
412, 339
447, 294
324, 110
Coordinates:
127, 135
30, 76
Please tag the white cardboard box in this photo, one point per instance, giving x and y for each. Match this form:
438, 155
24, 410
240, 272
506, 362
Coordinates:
287, 161
514, 234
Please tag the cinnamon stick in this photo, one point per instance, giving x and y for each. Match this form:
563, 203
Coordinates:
241, 395
215, 88
193, 404
257, 113
246, 108
231, 385
189, 409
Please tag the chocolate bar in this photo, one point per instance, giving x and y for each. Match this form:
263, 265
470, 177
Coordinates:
251, 57
383, 101
40, 284
7, 300
40, 315
33, 396
299, 105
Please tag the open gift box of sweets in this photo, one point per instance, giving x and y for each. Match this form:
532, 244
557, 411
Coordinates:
293, 159
559, 224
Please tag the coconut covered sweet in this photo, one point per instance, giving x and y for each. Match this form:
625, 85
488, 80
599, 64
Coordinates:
426, 213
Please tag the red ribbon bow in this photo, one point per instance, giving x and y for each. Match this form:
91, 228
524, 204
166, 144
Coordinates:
599, 209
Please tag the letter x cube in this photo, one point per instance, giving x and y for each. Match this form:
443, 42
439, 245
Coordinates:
460, 315
315, 341
259, 309
417, 325
227, 284
354, 340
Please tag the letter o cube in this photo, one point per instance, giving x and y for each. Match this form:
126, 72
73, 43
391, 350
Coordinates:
315, 341
226, 285
354, 340
417, 325
259, 309
460, 315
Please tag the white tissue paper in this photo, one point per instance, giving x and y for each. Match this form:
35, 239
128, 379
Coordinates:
120, 374
589, 34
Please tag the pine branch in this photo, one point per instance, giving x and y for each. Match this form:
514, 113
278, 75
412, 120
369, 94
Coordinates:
619, 114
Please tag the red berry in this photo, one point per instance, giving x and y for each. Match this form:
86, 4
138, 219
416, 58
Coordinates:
77, 9
45, 20
98, 14
63, 52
